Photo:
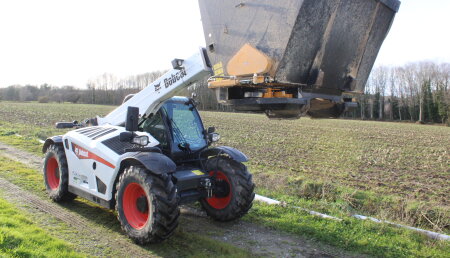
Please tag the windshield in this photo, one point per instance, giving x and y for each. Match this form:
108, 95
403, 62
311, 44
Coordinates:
186, 125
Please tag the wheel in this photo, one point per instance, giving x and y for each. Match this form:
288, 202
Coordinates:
146, 205
233, 195
56, 174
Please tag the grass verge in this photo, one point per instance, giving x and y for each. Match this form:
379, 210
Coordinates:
366, 237
339, 200
19, 237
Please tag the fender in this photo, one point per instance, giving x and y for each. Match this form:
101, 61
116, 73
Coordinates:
155, 162
52, 140
233, 153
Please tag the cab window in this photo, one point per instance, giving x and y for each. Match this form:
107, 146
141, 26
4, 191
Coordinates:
156, 128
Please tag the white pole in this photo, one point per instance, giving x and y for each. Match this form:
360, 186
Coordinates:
428, 233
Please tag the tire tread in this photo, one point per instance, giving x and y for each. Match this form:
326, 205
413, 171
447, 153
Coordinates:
165, 201
244, 195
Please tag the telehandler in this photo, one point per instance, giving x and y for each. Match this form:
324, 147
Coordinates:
284, 58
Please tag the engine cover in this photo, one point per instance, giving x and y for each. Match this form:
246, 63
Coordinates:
93, 158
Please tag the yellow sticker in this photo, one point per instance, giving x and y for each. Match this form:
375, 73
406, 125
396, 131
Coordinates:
198, 172
217, 66
218, 70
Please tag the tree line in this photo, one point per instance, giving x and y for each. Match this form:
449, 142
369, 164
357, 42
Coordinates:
106, 89
416, 92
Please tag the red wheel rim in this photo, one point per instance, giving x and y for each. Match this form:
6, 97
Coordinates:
136, 218
52, 173
216, 202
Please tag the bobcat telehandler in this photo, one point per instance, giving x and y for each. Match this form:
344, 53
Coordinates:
285, 58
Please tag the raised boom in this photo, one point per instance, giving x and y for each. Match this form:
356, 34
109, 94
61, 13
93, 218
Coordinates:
148, 100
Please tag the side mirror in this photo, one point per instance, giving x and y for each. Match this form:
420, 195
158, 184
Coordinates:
184, 146
132, 121
211, 130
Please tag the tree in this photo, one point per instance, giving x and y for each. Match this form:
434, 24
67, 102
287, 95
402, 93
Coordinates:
380, 80
442, 95
25, 94
12, 92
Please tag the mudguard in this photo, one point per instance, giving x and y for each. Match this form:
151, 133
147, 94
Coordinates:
231, 152
155, 162
52, 140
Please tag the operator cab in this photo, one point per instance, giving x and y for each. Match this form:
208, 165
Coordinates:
178, 128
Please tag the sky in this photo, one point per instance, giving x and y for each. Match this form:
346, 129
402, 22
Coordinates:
62, 42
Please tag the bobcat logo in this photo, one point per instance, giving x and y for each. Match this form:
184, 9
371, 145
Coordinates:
174, 78
158, 87
81, 152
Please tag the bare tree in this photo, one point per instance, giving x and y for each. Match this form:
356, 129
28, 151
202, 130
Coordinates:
379, 80
399, 90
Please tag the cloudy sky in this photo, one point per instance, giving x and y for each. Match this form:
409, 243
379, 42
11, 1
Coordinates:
63, 42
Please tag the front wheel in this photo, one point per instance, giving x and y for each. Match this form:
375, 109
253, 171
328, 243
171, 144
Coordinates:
233, 195
146, 205
56, 174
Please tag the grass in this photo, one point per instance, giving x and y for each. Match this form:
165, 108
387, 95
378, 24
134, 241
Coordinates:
407, 160
28, 122
352, 235
20, 237
392, 171
378, 240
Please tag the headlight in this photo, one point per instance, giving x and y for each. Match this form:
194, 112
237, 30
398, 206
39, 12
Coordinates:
141, 140
214, 137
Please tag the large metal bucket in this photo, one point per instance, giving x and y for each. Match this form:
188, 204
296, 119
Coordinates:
326, 47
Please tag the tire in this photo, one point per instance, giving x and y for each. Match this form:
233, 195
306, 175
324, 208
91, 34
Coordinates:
234, 202
146, 205
56, 174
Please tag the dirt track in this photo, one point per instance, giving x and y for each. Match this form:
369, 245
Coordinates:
21, 156
94, 234
257, 239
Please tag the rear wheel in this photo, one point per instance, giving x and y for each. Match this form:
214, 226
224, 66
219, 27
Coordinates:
56, 174
146, 205
233, 195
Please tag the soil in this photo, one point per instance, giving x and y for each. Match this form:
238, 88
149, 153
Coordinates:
100, 241
21, 156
